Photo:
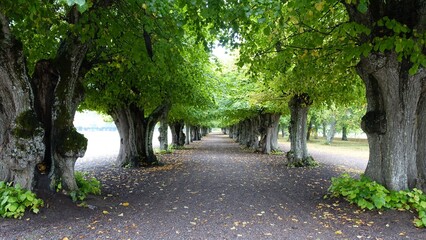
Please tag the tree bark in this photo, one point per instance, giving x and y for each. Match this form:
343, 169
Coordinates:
268, 132
298, 155
178, 137
163, 137
21, 133
394, 121
308, 137
391, 121
136, 132
344, 133
188, 134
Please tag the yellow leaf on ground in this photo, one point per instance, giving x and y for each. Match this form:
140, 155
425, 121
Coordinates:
338, 232
105, 212
125, 204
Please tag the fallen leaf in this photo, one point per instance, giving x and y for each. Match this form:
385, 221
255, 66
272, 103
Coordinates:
338, 232
105, 212
125, 204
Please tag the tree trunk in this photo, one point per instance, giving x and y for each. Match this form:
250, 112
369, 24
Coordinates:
195, 133
187, 133
136, 132
308, 137
268, 124
392, 120
254, 133
178, 137
21, 133
298, 155
163, 134
344, 133
274, 137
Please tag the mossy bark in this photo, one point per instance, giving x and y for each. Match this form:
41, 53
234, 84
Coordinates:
21, 134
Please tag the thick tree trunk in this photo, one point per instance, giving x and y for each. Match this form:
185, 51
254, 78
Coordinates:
136, 132
187, 134
131, 128
254, 133
163, 137
344, 133
274, 138
268, 129
298, 155
21, 133
178, 137
392, 120
195, 133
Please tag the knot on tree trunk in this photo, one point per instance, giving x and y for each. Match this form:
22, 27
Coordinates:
374, 122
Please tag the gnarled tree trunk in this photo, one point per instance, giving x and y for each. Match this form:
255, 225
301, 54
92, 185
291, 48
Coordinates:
21, 133
178, 137
394, 121
136, 132
268, 132
298, 155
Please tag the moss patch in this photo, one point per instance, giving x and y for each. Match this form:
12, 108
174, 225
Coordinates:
27, 125
71, 141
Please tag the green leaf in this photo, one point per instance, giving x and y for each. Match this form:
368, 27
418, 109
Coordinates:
362, 7
413, 70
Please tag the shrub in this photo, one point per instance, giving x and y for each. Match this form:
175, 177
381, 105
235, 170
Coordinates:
371, 195
14, 200
86, 186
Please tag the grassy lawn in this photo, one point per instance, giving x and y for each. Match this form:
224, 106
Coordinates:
356, 147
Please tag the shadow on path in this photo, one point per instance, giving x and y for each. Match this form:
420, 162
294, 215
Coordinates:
213, 190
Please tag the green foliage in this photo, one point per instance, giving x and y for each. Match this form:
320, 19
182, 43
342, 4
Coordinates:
86, 186
370, 195
14, 201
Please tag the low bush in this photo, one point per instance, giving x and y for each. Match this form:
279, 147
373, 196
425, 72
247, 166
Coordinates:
86, 186
368, 194
14, 201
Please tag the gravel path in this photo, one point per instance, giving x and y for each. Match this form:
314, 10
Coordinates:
211, 190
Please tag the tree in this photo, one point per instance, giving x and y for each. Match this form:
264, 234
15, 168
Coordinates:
53, 91
138, 80
393, 70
